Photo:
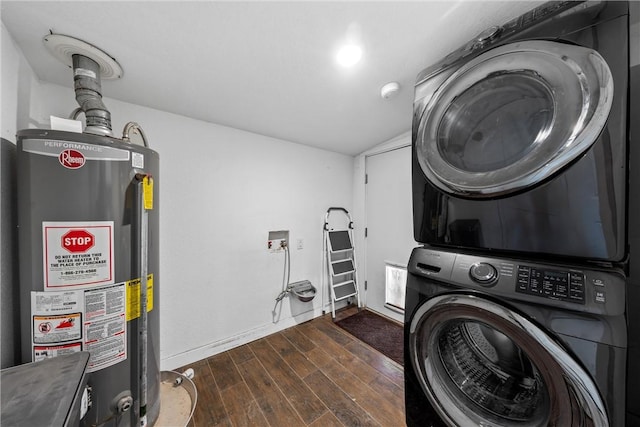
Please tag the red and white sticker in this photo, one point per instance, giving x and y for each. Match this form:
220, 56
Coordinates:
106, 340
56, 323
77, 255
105, 326
55, 329
92, 320
72, 159
45, 352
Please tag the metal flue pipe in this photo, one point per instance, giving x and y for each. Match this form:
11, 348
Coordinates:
86, 82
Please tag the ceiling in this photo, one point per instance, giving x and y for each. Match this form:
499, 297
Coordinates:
264, 67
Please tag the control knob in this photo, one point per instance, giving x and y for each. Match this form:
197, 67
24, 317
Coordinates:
483, 273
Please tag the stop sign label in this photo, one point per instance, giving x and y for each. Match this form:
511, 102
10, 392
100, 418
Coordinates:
76, 241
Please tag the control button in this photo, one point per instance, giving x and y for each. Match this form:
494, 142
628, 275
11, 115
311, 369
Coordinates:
576, 292
576, 297
487, 35
576, 285
522, 285
577, 277
523, 273
483, 273
535, 282
600, 296
598, 282
562, 291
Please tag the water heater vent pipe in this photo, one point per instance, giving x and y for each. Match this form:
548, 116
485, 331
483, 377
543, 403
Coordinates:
90, 64
86, 82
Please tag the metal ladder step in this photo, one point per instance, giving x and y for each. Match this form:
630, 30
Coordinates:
344, 290
342, 266
340, 241
342, 251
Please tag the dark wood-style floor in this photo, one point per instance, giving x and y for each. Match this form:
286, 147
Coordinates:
314, 374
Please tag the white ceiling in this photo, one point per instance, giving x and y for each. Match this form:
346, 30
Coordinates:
265, 67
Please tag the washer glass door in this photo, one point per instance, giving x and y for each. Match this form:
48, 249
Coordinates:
480, 363
513, 117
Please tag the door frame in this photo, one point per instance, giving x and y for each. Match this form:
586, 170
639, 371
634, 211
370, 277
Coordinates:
404, 141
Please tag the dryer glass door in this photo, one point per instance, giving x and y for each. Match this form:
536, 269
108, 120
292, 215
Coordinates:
480, 363
513, 117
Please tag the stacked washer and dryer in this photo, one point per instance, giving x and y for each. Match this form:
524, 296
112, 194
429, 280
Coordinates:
522, 305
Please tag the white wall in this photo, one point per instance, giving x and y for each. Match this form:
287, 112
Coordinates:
15, 90
15, 86
221, 191
9, 87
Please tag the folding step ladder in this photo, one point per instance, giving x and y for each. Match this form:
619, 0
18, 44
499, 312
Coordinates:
340, 259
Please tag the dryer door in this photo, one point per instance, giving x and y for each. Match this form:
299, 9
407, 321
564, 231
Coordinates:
482, 364
513, 117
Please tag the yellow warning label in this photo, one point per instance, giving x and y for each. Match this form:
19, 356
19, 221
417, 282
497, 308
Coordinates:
133, 297
147, 191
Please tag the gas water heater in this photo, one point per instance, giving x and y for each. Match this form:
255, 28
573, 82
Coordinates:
88, 253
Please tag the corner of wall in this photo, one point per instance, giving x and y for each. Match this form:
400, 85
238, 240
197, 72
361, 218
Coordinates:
12, 61
9, 286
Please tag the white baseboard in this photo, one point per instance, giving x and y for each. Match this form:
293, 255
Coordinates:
190, 356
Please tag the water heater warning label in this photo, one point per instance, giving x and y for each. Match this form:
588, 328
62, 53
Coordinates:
92, 320
77, 254
133, 297
54, 329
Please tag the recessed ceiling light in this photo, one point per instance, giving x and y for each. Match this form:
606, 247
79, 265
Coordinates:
349, 55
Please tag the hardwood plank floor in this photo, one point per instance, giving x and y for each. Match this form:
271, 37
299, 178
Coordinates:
314, 374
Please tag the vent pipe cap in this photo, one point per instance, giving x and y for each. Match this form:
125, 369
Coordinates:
64, 47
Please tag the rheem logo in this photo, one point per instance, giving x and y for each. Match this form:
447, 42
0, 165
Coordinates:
71, 159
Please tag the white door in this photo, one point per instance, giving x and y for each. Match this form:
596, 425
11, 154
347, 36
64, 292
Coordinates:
389, 222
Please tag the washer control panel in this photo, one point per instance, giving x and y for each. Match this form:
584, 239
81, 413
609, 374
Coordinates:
599, 290
559, 284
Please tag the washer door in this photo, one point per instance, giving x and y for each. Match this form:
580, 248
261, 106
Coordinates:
513, 117
482, 364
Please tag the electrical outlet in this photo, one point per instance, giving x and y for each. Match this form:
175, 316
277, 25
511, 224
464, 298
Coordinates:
300, 244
